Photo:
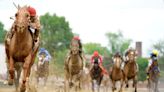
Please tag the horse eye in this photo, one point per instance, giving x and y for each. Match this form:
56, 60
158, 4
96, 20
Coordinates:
26, 15
16, 14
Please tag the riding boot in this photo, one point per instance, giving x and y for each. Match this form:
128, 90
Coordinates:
147, 72
103, 69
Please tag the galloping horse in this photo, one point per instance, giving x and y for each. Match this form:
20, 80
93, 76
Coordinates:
20, 52
117, 73
131, 68
153, 77
73, 67
96, 74
42, 69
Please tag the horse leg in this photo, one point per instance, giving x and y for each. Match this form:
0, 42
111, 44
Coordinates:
93, 86
99, 83
37, 80
70, 82
113, 86
122, 82
66, 82
135, 83
45, 81
18, 69
126, 82
11, 71
26, 70
156, 86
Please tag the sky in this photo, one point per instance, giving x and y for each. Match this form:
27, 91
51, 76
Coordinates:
139, 20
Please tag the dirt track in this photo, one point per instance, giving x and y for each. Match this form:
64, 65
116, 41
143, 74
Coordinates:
57, 86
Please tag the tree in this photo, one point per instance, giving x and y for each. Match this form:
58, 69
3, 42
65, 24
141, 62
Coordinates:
56, 33
142, 63
117, 42
89, 48
2, 32
160, 47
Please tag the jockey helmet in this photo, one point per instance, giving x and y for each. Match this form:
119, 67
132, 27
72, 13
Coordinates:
76, 38
155, 52
32, 11
96, 53
42, 49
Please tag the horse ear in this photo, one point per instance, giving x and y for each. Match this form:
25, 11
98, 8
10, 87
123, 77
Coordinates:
18, 6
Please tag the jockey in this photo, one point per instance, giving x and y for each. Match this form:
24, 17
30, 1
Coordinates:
76, 38
97, 56
80, 46
44, 52
126, 54
153, 58
126, 58
34, 24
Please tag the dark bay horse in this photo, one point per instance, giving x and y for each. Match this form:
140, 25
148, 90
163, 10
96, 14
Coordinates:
20, 52
73, 68
96, 74
117, 73
153, 77
131, 68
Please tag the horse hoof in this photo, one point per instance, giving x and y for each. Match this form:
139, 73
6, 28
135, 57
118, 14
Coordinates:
127, 86
113, 89
10, 82
23, 89
70, 84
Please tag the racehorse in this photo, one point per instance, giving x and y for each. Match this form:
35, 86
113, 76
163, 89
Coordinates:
96, 74
117, 73
21, 51
131, 68
73, 67
42, 69
153, 77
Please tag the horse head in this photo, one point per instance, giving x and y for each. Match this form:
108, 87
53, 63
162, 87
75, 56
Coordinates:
96, 63
41, 59
22, 19
75, 47
132, 53
117, 60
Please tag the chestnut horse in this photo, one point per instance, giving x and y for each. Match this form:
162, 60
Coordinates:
20, 51
131, 68
117, 73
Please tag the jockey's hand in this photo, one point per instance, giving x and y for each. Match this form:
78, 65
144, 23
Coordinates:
46, 59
